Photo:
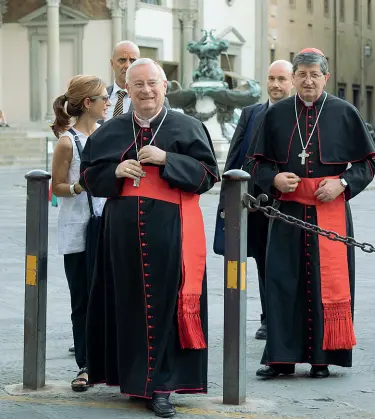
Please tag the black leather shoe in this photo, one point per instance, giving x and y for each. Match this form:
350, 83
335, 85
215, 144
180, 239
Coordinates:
274, 371
319, 372
161, 406
261, 333
72, 349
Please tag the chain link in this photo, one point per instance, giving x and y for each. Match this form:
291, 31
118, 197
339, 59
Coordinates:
254, 204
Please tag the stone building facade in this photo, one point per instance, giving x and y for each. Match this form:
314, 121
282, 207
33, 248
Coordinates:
343, 29
43, 43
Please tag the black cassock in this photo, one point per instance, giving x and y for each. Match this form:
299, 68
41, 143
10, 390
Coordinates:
132, 327
293, 287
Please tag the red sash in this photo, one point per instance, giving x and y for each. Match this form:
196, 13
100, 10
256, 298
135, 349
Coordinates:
333, 257
193, 251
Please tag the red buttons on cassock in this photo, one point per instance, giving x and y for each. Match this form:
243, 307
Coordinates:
310, 301
150, 348
310, 171
310, 116
142, 224
144, 244
151, 358
144, 254
149, 295
148, 285
143, 234
147, 275
149, 317
148, 306
141, 201
141, 212
144, 138
149, 380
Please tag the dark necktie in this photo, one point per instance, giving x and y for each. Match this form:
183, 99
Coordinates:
119, 108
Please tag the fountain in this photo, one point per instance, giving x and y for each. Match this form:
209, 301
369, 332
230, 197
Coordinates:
208, 98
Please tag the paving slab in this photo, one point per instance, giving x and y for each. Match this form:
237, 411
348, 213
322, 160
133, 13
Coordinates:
348, 393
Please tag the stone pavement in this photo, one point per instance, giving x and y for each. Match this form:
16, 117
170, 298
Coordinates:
348, 393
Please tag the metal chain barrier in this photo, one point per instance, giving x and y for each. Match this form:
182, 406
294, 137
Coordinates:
254, 204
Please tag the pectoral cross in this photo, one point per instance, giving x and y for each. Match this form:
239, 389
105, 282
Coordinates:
137, 181
303, 156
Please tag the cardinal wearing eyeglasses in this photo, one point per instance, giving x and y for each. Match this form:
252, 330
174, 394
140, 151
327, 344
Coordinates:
313, 153
147, 315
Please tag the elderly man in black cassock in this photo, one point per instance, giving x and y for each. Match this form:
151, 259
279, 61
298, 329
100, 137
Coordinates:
313, 153
147, 315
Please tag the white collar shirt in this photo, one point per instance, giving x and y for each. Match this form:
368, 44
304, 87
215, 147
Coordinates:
113, 98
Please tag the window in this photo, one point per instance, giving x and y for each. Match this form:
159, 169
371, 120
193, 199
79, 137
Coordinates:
369, 13
369, 99
272, 55
356, 11
157, 2
356, 95
341, 93
342, 10
291, 56
309, 6
326, 7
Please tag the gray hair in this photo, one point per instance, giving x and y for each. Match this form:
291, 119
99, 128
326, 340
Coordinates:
144, 61
310, 58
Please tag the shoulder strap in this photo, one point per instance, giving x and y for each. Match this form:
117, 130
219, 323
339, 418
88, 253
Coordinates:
79, 148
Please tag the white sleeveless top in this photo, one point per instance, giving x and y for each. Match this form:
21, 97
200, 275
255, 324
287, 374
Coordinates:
74, 211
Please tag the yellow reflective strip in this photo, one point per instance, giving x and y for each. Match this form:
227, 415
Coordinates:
243, 276
31, 270
232, 274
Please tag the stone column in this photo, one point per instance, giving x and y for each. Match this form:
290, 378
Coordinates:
3, 9
261, 49
53, 55
188, 19
128, 25
117, 8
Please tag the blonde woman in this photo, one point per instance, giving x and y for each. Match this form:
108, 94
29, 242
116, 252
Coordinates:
87, 102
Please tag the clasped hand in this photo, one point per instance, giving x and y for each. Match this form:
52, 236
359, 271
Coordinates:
152, 154
328, 190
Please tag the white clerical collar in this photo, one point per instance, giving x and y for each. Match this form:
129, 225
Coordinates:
117, 88
270, 103
146, 123
309, 104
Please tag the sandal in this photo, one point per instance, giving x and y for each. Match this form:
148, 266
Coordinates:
80, 383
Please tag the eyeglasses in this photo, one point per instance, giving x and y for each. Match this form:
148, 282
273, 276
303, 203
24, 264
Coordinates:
139, 85
104, 98
313, 76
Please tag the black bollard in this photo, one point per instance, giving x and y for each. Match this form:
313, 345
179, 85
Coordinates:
235, 265
34, 360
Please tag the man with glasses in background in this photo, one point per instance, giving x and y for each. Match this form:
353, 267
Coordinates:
301, 156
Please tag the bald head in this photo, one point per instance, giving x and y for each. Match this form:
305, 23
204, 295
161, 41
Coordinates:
123, 55
279, 82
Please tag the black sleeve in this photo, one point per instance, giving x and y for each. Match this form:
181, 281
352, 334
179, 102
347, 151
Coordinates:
261, 170
262, 173
97, 177
358, 176
233, 159
195, 168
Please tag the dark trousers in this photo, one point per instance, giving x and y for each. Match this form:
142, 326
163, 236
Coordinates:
260, 259
76, 274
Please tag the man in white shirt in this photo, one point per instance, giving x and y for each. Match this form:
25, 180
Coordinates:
124, 54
